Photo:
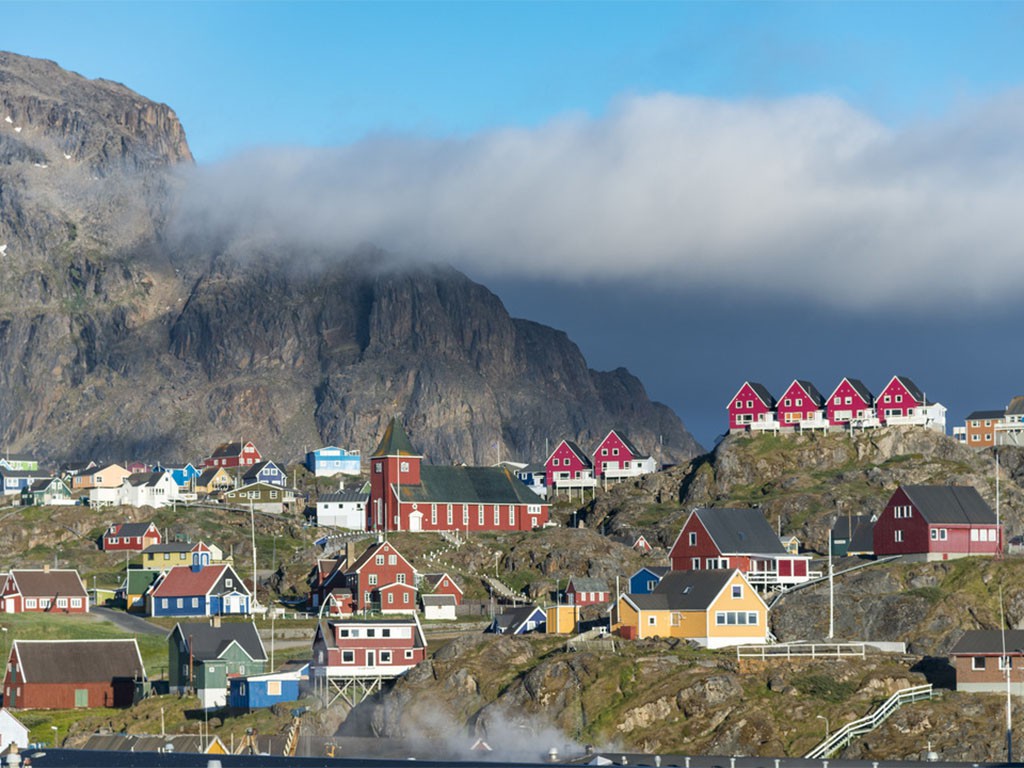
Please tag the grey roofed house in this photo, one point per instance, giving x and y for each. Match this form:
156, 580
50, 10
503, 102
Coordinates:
861, 390
950, 504
78, 661
740, 531
209, 642
516, 621
468, 485
975, 642
187, 743
438, 600
587, 584
169, 546
347, 495
145, 478
812, 392
50, 582
129, 530
684, 590
985, 415
858, 533
580, 453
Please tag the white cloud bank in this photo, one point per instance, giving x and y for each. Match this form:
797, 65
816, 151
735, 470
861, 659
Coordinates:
802, 198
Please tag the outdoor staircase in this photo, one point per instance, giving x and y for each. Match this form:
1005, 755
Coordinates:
501, 589
842, 737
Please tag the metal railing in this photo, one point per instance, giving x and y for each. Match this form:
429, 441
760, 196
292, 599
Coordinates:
842, 737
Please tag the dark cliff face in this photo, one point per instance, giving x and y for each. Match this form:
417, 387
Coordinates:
117, 340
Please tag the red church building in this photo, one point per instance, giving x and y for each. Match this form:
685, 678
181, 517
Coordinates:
937, 522
752, 407
407, 495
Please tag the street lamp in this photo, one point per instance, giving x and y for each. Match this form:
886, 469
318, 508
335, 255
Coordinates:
828, 730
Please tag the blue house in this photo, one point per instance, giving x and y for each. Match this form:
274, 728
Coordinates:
331, 460
262, 691
646, 579
265, 472
198, 590
534, 476
182, 476
15, 480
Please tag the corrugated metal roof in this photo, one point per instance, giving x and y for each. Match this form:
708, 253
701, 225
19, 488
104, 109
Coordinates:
951, 504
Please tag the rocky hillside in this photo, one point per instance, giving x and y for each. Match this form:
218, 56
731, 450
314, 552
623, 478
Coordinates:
120, 339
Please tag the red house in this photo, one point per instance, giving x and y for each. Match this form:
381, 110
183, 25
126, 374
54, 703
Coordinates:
44, 590
753, 407
236, 454
441, 584
568, 466
73, 674
133, 537
378, 648
616, 457
397, 598
850, 404
407, 495
586, 591
801, 406
899, 398
937, 522
740, 539
381, 564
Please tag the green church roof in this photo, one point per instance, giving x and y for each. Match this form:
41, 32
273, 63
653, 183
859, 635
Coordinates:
395, 442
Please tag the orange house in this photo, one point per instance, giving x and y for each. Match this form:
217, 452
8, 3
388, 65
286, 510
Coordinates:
110, 476
715, 608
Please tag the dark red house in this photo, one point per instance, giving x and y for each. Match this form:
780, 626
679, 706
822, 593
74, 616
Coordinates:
408, 495
937, 522
131, 537
583, 590
850, 403
381, 564
355, 647
801, 402
73, 674
899, 398
752, 404
736, 538
43, 590
236, 454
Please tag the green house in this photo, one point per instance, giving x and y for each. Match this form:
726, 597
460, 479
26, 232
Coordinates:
203, 656
136, 585
48, 490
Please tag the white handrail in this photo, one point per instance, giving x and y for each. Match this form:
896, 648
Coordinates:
845, 735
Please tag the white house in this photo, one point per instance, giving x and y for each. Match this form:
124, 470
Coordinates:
148, 489
343, 509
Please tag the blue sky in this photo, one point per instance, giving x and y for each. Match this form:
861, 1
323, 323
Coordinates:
732, 170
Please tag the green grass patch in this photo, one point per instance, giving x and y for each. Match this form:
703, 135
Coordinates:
824, 687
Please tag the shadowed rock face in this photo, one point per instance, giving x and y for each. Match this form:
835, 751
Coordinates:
117, 340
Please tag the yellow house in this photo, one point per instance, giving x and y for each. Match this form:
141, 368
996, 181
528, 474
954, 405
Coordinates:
110, 476
715, 608
214, 480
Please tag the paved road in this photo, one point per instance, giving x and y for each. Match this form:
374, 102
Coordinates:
128, 622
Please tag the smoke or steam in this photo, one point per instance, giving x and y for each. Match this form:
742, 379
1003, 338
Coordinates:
805, 198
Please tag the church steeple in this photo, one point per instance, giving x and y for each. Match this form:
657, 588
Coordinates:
395, 442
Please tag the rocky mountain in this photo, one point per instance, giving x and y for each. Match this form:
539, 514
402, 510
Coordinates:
120, 339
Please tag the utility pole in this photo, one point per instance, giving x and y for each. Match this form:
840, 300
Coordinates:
831, 591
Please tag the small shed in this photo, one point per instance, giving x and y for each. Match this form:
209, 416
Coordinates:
438, 607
